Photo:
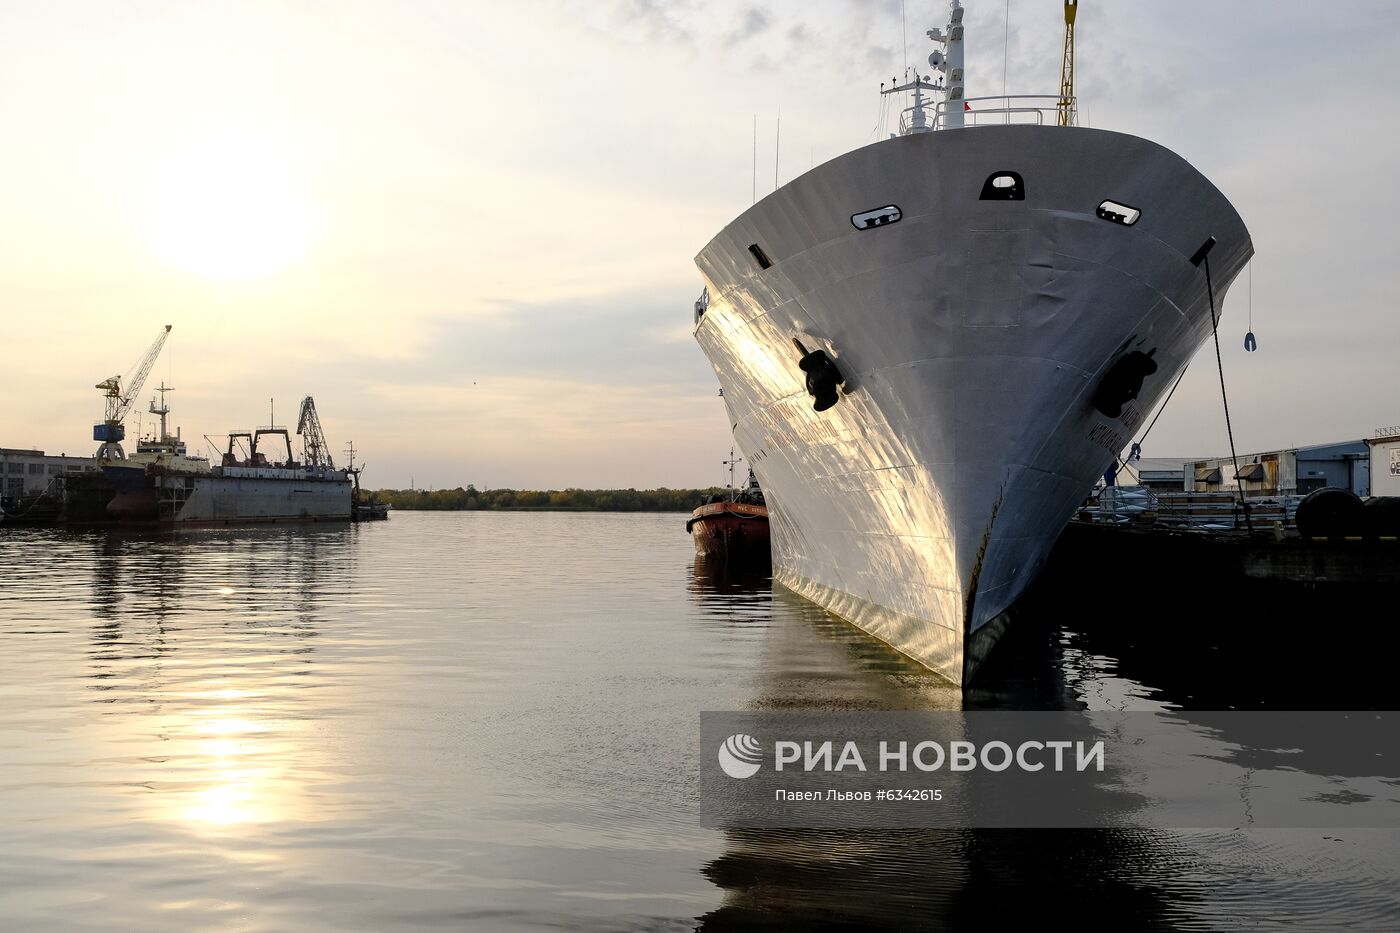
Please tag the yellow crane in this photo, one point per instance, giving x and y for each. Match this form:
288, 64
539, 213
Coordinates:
1065, 108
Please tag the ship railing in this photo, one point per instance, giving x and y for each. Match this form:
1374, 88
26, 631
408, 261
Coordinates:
1217, 510
1193, 511
915, 119
1022, 109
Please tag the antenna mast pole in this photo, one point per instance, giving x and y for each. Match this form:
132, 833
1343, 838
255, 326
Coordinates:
730, 463
163, 410
955, 87
777, 147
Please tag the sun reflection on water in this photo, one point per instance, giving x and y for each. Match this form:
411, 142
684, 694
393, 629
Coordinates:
237, 771
202, 652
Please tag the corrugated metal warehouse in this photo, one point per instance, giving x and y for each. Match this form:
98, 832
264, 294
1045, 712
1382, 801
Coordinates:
1294, 471
1385, 462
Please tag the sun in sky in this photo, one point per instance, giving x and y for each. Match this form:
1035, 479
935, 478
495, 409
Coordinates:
228, 207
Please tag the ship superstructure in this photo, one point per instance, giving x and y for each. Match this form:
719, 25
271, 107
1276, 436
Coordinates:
162, 448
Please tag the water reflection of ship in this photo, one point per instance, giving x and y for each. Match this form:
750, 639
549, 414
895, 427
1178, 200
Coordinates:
715, 576
920, 879
912, 879
942, 879
131, 608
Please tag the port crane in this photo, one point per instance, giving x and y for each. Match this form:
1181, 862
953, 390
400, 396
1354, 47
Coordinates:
111, 432
1064, 110
313, 439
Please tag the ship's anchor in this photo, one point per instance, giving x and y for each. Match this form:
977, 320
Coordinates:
1123, 382
822, 376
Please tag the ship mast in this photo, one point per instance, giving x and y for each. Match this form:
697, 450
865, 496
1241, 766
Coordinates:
952, 66
948, 61
915, 119
163, 410
730, 463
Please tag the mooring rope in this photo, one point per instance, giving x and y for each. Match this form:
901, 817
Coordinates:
1224, 398
1136, 449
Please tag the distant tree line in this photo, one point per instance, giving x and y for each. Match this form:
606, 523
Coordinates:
557, 500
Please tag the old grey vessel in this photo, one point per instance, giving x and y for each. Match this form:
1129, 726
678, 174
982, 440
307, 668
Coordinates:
1002, 300
162, 485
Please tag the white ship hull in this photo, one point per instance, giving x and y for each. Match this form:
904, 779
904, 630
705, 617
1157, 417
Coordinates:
971, 334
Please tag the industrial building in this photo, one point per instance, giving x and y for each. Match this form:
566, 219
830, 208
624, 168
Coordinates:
1385, 462
1295, 471
29, 472
1164, 474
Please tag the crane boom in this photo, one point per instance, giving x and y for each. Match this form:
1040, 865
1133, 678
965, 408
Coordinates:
1064, 115
111, 432
317, 451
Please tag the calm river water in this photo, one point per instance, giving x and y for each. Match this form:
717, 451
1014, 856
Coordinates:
489, 721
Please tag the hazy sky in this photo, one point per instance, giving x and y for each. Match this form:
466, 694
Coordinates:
468, 228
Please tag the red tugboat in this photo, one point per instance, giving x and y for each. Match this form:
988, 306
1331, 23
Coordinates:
733, 526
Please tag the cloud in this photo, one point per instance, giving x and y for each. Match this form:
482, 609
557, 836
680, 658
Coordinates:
753, 22
657, 20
